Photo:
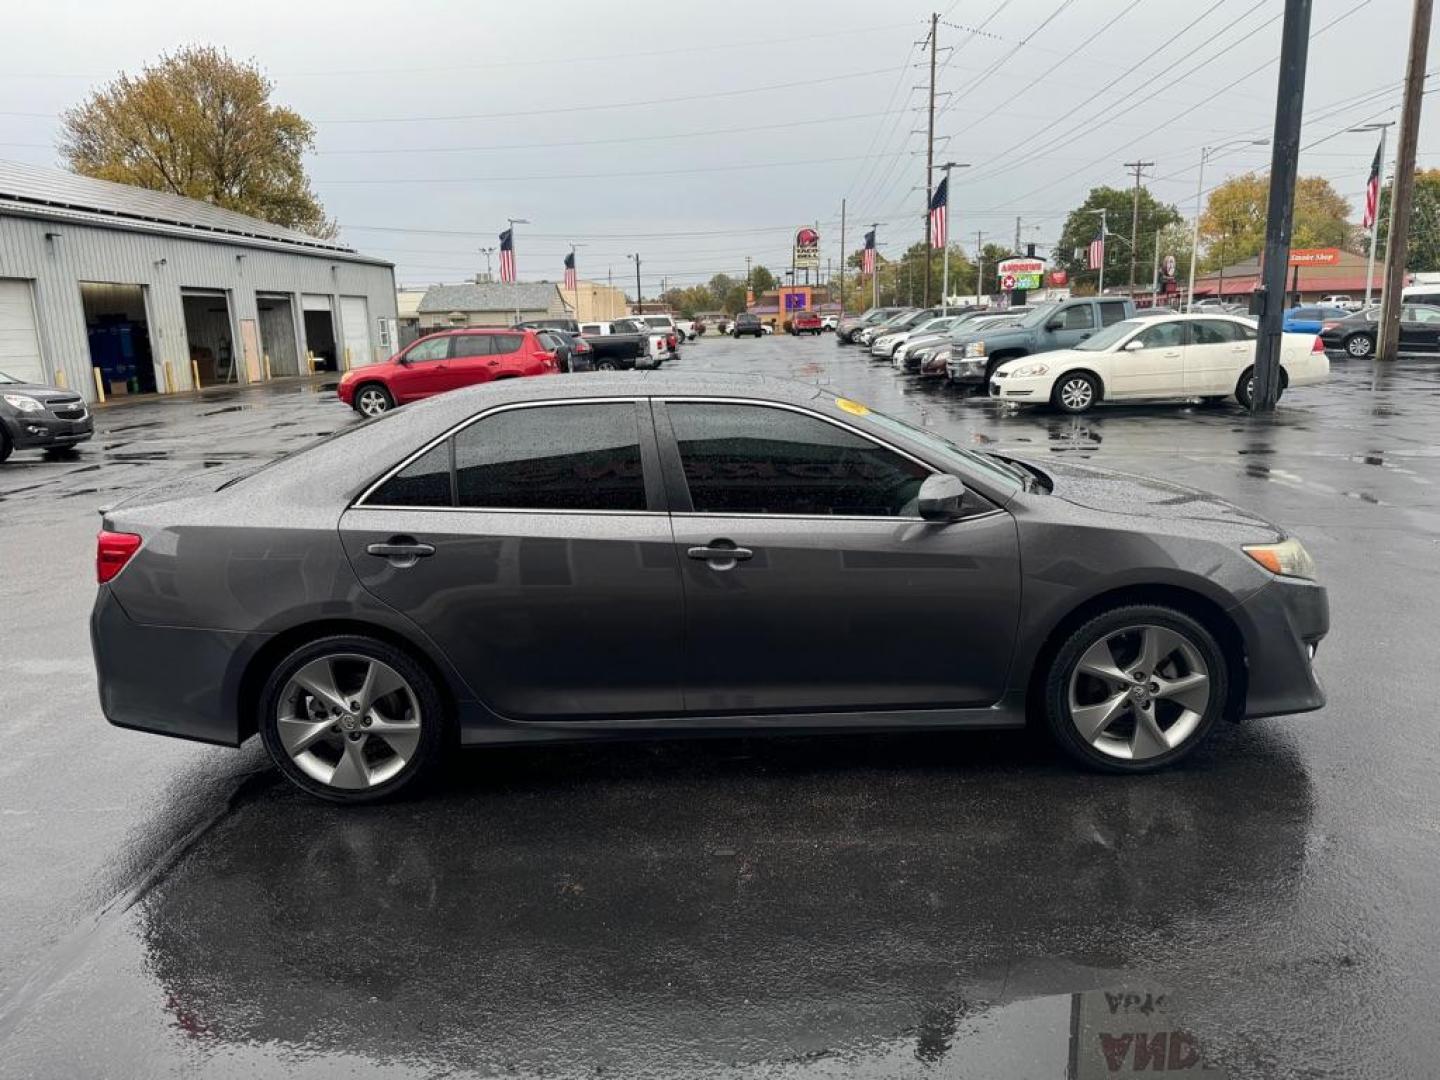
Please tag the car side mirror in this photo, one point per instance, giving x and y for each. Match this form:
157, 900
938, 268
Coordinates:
1134, 345
402, 359
942, 498
1055, 324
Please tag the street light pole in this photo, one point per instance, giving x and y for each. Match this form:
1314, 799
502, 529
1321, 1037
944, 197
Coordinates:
639, 299
487, 252
1384, 129
945, 273
513, 222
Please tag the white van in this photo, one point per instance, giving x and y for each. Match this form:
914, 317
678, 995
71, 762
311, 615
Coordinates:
1420, 294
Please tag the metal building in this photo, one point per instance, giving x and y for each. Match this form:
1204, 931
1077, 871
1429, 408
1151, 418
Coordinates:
110, 287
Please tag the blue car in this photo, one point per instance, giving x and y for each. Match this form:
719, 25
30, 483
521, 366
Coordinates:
1308, 320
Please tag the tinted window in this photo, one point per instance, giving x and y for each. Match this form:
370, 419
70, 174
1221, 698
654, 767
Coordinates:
424, 482
1214, 332
472, 345
558, 457
1079, 317
548, 341
436, 348
1305, 314
505, 344
750, 459
1111, 312
1168, 335
1422, 298
591, 328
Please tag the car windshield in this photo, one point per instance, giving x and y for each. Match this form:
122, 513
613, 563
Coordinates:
1110, 336
995, 470
8, 378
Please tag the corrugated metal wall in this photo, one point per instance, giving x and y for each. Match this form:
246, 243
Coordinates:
163, 266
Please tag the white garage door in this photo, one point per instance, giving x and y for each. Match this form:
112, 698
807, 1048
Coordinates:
19, 344
355, 329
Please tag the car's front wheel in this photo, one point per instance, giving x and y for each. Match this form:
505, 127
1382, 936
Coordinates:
351, 719
1245, 388
606, 365
372, 399
1075, 392
1136, 688
1359, 346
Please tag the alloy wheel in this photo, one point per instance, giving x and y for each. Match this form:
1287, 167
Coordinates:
1077, 394
373, 401
1359, 345
349, 721
1139, 692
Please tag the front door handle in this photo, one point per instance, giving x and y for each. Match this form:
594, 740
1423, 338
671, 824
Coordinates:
402, 551
721, 555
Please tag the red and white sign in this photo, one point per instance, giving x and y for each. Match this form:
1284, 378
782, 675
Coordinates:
1020, 266
1059, 279
1129, 1032
1314, 256
1007, 282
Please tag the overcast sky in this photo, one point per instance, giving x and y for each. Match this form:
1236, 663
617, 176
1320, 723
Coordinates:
664, 118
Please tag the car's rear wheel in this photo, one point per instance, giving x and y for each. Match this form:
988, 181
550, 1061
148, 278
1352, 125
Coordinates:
352, 719
1359, 345
1075, 392
1136, 688
372, 399
606, 365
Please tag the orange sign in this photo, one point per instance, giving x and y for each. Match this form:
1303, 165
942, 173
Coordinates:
1314, 256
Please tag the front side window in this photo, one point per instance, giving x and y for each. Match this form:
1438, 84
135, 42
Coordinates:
1168, 335
753, 459
436, 348
557, 457
1079, 318
1423, 315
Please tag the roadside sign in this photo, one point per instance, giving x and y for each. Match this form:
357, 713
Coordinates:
1314, 256
1007, 282
1020, 266
807, 249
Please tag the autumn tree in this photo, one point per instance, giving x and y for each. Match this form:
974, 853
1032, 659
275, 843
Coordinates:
1082, 225
761, 280
202, 125
1232, 226
1422, 249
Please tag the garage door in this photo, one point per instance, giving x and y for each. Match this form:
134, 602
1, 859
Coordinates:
19, 344
355, 330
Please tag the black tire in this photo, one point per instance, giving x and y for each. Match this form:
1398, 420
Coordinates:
434, 723
1245, 388
372, 399
60, 453
1075, 392
606, 365
1168, 714
1214, 399
6, 446
1360, 346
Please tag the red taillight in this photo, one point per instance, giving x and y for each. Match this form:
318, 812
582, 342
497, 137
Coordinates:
670, 341
1319, 346
112, 551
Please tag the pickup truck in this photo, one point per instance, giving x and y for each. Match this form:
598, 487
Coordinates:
805, 322
625, 344
1063, 325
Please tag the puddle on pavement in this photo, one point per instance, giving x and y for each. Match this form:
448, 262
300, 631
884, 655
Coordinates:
226, 409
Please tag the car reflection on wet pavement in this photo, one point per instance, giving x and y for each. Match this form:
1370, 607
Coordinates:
886, 906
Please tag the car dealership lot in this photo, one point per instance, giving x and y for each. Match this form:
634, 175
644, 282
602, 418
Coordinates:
796, 907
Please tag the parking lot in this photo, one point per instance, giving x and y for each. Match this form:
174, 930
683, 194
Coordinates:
799, 907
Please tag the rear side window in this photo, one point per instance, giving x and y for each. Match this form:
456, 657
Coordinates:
753, 459
505, 344
1111, 312
472, 345
1214, 332
424, 482
556, 457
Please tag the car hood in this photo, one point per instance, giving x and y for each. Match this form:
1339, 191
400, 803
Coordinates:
38, 391
1054, 358
1110, 491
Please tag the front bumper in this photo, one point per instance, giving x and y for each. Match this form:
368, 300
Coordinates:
1283, 625
42, 430
1011, 389
966, 369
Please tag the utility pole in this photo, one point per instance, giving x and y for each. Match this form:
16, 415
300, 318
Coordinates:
1280, 210
1403, 190
639, 300
930, 151
979, 266
1384, 129
1155, 277
945, 261
1139, 167
842, 258
1017, 235
875, 272
513, 222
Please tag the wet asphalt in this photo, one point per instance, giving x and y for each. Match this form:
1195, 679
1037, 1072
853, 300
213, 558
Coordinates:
938, 905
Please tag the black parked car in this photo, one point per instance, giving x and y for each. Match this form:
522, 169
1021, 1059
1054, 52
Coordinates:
577, 353
747, 325
719, 554
38, 417
1356, 334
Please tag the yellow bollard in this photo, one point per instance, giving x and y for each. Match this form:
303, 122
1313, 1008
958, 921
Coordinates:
169, 378
310, 356
347, 357
99, 385
194, 375
267, 367
60, 379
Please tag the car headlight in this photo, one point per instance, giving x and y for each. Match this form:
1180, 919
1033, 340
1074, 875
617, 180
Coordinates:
975, 348
24, 404
1027, 370
1287, 558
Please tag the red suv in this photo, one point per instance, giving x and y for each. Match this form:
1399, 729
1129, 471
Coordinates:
805, 322
447, 361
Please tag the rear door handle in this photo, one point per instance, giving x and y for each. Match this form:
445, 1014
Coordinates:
721, 557
402, 551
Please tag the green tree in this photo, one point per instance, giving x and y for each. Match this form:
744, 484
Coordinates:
1422, 246
734, 301
199, 124
1082, 225
720, 286
761, 280
1232, 226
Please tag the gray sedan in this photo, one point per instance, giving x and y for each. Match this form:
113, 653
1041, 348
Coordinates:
664, 555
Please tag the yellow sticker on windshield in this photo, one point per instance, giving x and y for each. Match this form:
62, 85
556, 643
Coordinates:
852, 407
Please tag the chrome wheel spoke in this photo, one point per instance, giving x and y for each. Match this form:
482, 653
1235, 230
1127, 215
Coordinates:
1156, 645
1099, 661
1148, 740
297, 735
381, 680
351, 771
317, 679
1190, 691
1092, 720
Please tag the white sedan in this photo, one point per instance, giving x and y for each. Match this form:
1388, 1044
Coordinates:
1180, 356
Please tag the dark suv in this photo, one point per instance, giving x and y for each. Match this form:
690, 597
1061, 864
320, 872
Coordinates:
745, 323
38, 417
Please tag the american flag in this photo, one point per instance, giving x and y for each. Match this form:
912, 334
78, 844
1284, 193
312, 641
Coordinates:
1372, 193
570, 281
868, 259
1096, 255
507, 256
940, 213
